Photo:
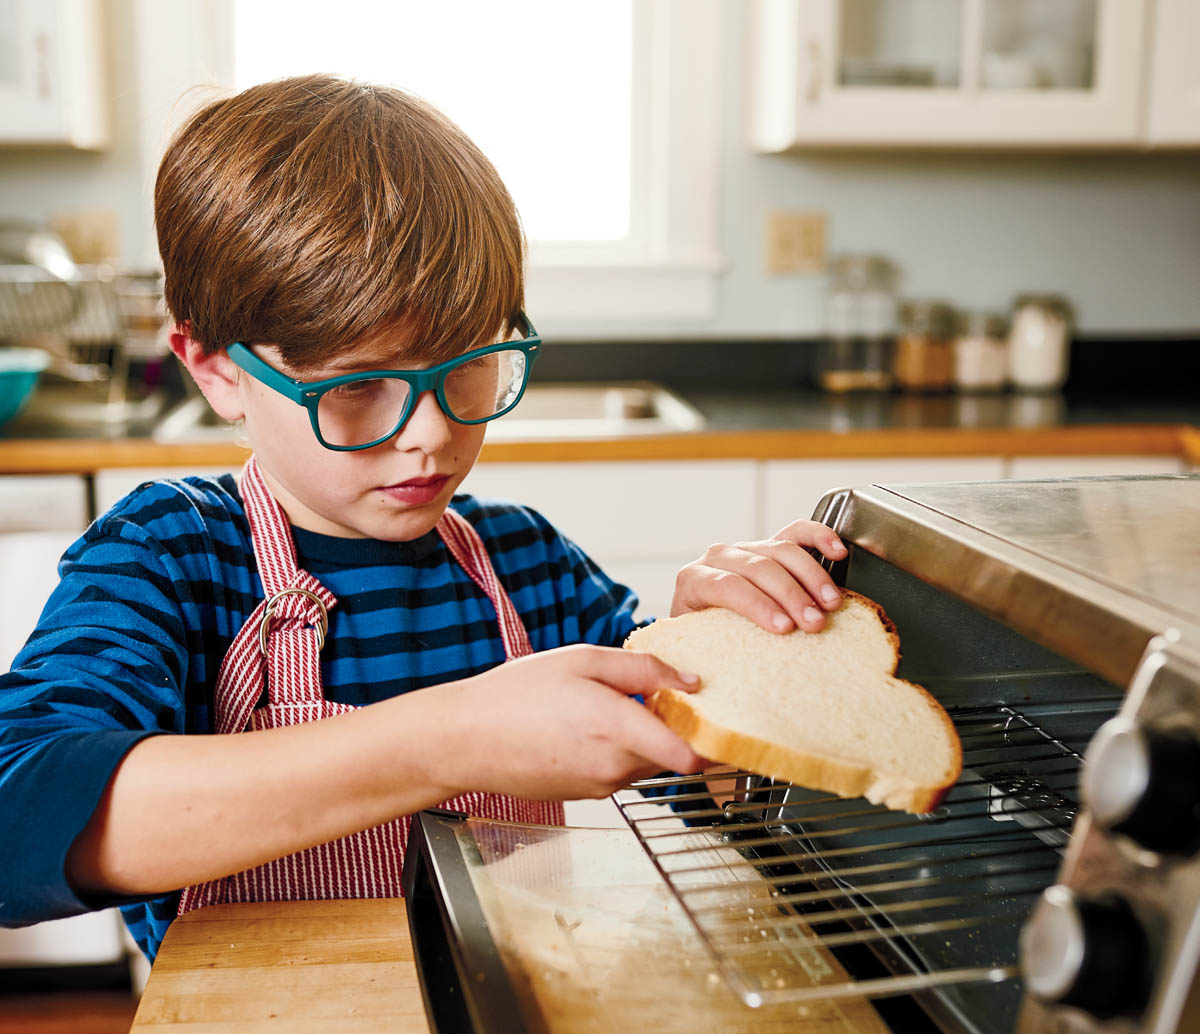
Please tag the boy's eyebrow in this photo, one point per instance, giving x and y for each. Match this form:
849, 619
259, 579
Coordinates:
383, 360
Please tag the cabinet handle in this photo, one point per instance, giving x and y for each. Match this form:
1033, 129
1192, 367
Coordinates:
812, 92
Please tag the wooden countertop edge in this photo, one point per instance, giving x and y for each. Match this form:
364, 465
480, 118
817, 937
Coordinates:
344, 965
86, 456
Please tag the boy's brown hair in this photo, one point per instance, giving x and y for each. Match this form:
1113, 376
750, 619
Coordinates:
313, 211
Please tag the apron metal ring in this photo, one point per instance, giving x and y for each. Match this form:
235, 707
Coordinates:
269, 612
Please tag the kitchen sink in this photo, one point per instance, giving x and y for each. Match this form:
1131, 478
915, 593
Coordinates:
597, 410
557, 410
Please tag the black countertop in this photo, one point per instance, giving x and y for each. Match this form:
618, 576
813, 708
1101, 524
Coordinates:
800, 409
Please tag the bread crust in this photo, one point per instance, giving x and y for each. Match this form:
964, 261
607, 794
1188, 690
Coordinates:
889, 627
847, 779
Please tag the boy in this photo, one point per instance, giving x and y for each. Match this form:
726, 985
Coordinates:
345, 272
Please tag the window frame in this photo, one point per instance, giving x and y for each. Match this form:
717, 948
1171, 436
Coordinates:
669, 268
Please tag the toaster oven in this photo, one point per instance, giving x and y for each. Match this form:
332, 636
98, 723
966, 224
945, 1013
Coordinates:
1056, 888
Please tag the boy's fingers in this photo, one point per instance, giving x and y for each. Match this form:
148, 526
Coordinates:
649, 738
785, 586
802, 568
786, 574
789, 587
811, 533
634, 672
734, 588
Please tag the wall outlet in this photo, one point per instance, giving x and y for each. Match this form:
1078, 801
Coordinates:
795, 242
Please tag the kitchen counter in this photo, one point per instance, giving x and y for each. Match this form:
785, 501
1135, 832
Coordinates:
335, 966
345, 967
741, 424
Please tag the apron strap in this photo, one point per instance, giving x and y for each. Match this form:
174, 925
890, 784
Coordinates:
465, 545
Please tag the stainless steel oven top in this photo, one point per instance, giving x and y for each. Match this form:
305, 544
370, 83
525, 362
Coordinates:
1091, 568
1139, 535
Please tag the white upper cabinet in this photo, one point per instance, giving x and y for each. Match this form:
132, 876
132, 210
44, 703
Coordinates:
1173, 115
958, 73
52, 74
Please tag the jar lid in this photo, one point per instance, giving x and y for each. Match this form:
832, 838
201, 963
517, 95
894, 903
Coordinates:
978, 323
1054, 303
927, 316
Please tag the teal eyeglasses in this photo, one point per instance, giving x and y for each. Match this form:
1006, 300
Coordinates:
359, 410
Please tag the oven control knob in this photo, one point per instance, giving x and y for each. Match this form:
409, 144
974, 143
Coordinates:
1091, 953
1145, 783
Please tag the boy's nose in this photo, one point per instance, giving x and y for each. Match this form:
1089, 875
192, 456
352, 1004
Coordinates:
427, 428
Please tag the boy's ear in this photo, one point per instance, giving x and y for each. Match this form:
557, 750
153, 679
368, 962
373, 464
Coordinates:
215, 374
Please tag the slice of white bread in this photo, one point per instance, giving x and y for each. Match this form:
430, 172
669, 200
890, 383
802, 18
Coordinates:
821, 709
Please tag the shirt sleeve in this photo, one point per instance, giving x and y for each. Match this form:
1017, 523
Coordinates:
101, 671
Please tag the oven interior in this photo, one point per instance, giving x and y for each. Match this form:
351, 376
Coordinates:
792, 901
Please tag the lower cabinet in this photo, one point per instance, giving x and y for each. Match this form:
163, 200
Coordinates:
111, 486
43, 502
1032, 467
639, 520
792, 488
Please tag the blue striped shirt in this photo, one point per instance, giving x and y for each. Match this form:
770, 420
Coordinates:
148, 602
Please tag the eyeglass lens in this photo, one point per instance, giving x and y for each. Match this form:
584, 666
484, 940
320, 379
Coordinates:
360, 412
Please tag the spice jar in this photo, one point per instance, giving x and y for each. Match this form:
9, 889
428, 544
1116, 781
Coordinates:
861, 325
1039, 342
981, 352
924, 350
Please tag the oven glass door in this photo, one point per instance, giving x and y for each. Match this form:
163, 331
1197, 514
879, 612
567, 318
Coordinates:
529, 928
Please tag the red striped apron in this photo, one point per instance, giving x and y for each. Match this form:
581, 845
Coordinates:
281, 643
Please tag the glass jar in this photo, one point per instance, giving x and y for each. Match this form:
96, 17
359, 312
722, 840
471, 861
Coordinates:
860, 320
924, 350
981, 352
1039, 342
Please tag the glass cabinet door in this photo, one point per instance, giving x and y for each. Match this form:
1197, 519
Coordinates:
900, 43
1038, 45
948, 72
988, 44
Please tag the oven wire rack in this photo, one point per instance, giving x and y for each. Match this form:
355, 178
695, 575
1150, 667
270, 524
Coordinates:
783, 884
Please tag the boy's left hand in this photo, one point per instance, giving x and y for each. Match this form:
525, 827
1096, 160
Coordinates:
776, 583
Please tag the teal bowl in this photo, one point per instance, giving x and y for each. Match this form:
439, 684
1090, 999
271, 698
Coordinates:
20, 369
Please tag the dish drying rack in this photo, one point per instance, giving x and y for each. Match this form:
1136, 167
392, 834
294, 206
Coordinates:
790, 890
93, 324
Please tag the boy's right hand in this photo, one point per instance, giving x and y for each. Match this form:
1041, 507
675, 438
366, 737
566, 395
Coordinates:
563, 724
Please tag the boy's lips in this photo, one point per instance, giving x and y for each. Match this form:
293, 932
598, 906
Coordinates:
416, 491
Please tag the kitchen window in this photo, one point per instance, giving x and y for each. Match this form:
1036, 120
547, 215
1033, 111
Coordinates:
600, 115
